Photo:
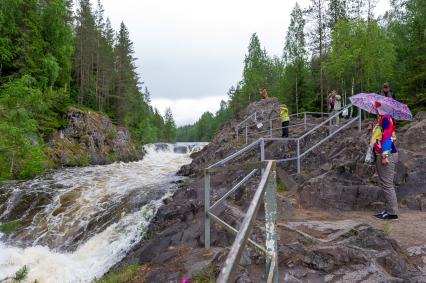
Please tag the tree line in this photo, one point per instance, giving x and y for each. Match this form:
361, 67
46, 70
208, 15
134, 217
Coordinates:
52, 57
333, 44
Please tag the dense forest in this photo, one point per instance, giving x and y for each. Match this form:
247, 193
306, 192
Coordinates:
333, 44
54, 55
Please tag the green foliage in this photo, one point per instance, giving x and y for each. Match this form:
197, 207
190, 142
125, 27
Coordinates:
361, 52
206, 276
123, 275
280, 187
22, 149
169, 126
9, 227
387, 229
21, 274
406, 25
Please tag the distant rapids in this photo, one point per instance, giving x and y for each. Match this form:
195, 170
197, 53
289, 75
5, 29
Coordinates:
75, 223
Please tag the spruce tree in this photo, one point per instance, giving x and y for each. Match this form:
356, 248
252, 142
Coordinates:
295, 84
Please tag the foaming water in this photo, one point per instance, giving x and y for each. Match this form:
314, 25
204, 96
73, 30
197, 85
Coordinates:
76, 223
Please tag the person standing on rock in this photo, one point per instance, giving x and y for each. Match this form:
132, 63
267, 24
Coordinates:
285, 119
386, 158
264, 93
334, 105
387, 91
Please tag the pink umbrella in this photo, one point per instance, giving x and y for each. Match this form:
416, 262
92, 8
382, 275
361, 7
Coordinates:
390, 106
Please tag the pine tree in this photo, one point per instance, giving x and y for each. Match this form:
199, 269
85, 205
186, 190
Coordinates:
295, 59
85, 56
126, 81
57, 33
318, 39
336, 12
169, 126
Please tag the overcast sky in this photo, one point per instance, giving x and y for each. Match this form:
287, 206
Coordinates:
190, 52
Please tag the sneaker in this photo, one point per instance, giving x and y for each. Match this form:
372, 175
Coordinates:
380, 214
388, 217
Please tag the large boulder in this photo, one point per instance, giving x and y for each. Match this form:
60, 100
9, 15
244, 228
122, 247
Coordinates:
90, 138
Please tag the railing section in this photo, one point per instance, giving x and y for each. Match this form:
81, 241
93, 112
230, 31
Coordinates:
265, 189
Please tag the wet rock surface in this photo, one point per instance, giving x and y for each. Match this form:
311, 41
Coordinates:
90, 138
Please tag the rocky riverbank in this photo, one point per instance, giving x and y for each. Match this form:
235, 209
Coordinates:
90, 138
317, 240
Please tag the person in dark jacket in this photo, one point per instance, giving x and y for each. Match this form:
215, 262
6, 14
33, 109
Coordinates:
387, 91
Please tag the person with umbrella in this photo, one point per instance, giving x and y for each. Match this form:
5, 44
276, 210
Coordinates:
384, 147
386, 158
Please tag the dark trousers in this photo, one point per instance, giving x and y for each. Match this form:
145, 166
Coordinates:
285, 128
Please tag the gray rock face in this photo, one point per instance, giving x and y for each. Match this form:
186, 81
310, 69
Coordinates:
348, 183
334, 177
362, 254
91, 138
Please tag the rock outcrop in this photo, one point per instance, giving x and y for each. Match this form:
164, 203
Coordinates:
334, 178
90, 138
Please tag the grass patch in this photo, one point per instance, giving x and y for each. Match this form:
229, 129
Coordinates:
280, 187
123, 275
206, 276
9, 227
387, 229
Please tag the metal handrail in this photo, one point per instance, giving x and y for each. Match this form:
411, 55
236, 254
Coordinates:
329, 136
232, 156
270, 120
267, 188
330, 118
227, 273
238, 185
298, 139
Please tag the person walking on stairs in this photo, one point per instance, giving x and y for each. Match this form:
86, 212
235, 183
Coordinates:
285, 119
386, 158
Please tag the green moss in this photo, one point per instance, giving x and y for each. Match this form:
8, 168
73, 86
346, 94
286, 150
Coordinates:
112, 134
387, 229
9, 227
125, 274
206, 276
280, 187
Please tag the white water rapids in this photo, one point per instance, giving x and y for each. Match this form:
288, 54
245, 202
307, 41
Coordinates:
88, 218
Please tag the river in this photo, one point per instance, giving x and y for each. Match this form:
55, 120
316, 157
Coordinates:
75, 223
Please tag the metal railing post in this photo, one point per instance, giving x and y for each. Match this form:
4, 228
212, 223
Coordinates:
298, 156
271, 242
304, 120
237, 134
206, 210
246, 135
262, 149
359, 119
270, 128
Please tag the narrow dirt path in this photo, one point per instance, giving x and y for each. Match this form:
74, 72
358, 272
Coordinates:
409, 230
